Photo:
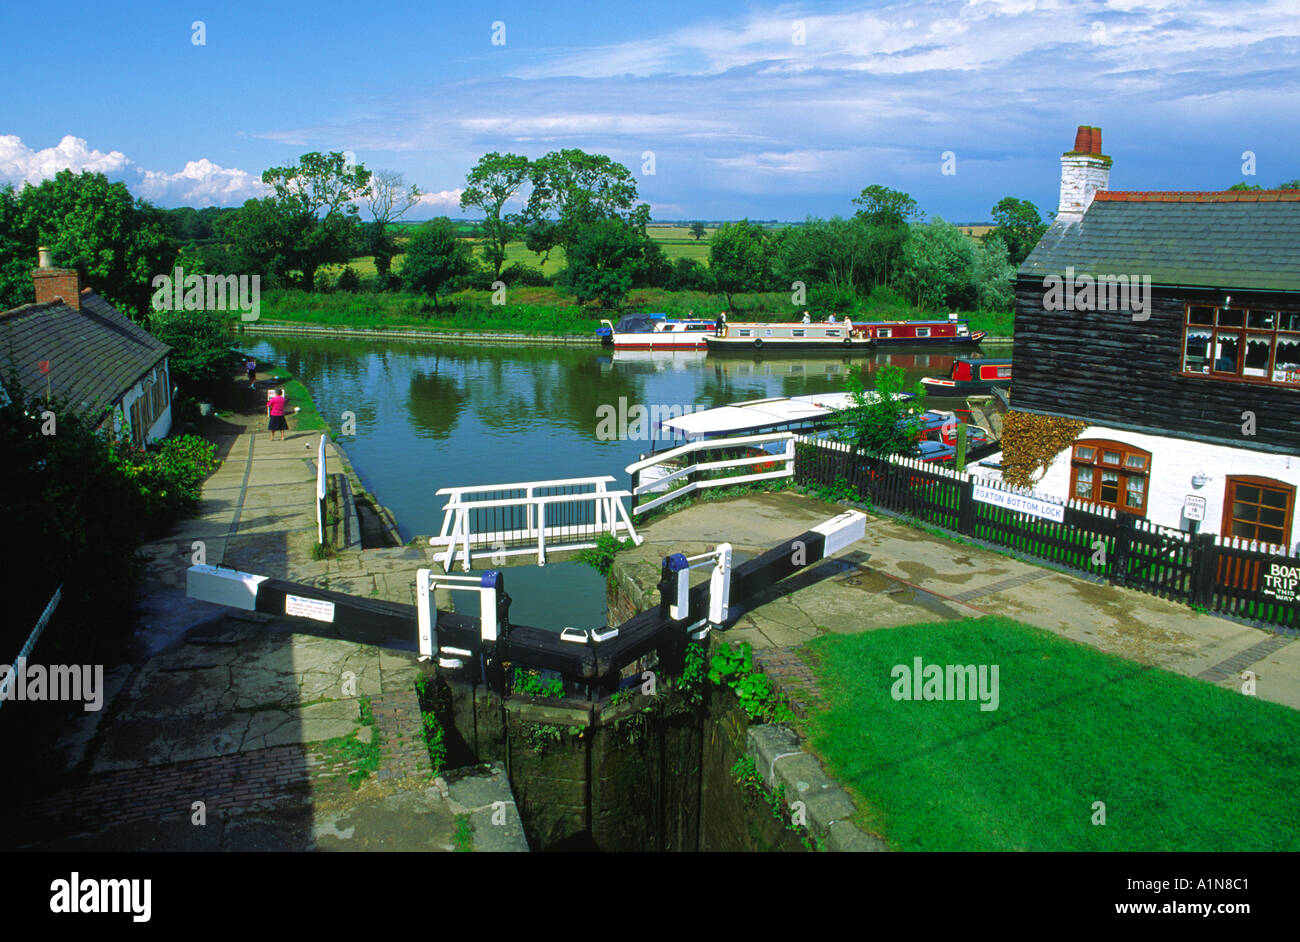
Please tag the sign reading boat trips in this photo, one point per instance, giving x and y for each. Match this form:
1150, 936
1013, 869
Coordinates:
1024, 505
318, 609
1282, 582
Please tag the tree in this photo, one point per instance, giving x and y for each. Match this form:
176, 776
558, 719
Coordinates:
936, 265
117, 242
608, 256
490, 183
200, 360
1019, 226
310, 220
886, 213
832, 252
1243, 185
1288, 185
993, 277
738, 258
434, 256
697, 230
880, 423
572, 188
389, 199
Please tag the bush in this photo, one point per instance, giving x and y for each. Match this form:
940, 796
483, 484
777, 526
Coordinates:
521, 275
824, 301
689, 275
168, 477
349, 280
201, 359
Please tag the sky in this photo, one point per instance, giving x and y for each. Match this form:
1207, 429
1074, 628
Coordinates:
721, 110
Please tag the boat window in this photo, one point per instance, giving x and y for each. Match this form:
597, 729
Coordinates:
745, 332
767, 331
798, 332
884, 332
832, 333
1111, 474
1259, 344
923, 331
697, 327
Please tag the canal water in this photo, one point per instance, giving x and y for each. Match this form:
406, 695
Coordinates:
430, 416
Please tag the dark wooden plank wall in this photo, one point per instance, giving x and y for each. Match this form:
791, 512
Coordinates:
1104, 367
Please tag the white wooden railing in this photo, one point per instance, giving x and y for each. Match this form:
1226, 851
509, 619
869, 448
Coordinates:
511, 519
659, 472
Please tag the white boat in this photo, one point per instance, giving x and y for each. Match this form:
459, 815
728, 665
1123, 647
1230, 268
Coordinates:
655, 332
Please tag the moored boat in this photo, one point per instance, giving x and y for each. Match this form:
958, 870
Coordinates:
796, 337
949, 333
654, 332
970, 375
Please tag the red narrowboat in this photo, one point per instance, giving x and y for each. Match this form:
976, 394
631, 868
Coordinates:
970, 375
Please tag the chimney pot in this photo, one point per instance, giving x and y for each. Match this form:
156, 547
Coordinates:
1083, 140
1096, 140
45, 257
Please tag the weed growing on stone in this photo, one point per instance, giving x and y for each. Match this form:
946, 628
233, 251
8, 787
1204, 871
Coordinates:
746, 774
734, 668
464, 836
601, 556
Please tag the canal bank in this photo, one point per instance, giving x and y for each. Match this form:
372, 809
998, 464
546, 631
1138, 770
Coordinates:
418, 334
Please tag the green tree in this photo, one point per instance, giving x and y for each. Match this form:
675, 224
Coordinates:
993, 277
201, 355
936, 266
697, 230
571, 189
490, 183
1243, 185
832, 252
117, 242
1288, 185
881, 423
607, 258
389, 198
738, 258
311, 219
886, 213
434, 256
1019, 225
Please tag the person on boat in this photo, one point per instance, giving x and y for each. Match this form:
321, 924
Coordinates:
848, 325
806, 318
832, 320
720, 325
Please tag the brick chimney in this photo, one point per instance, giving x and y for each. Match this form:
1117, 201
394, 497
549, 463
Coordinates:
56, 284
1084, 171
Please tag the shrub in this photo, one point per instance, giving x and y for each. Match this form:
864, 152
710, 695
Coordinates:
349, 280
519, 274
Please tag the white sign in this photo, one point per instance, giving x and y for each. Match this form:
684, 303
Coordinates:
1282, 582
1025, 505
319, 609
1194, 507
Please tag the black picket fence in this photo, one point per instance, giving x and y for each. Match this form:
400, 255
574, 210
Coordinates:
1208, 572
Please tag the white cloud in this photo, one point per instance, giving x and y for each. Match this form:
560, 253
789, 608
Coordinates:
201, 183
20, 164
443, 199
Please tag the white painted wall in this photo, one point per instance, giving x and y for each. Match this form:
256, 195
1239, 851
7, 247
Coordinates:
1173, 462
161, 425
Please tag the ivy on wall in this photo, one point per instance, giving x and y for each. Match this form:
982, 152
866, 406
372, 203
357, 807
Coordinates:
1030, 442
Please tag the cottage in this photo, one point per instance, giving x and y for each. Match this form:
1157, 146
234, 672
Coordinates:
75, 346
1177, 355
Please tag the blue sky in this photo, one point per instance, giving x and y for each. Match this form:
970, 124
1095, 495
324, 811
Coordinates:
742, 118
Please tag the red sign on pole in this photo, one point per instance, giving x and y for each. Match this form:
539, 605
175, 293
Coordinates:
44, 365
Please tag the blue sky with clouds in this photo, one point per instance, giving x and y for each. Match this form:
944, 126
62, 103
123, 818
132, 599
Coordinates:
765, 110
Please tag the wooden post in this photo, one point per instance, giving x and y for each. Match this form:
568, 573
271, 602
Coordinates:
960, 460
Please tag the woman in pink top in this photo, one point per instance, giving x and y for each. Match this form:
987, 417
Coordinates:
275, 407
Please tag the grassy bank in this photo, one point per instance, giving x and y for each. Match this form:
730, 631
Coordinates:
550, 311
1180, 764
309, 418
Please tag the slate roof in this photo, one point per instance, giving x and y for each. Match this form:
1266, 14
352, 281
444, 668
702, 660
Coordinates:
1238, 239
95, 355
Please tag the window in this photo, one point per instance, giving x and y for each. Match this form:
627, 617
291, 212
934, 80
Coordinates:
923, 331
745, 332
1111, 474
798, 332
1258, 509
1258, 344
884, 332
832, 333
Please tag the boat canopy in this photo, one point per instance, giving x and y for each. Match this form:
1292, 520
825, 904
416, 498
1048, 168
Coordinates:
762, 414
637, 323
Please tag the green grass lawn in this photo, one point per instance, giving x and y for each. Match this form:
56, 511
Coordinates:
1179, 763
